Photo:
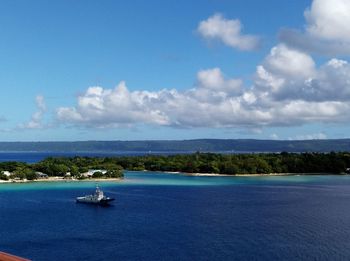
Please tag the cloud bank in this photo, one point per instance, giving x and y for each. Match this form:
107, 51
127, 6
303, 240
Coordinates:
288, 90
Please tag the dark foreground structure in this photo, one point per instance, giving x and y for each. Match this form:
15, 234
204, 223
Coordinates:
8, 257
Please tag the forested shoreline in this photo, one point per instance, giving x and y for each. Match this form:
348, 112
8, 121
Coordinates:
231, 164
263, 163
74, 167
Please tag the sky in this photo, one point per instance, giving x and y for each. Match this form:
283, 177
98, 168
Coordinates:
156, 70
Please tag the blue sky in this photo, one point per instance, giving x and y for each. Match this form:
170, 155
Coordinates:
128, 70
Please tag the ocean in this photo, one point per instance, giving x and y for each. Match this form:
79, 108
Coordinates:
159, 216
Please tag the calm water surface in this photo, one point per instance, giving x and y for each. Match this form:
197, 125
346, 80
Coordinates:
177, 217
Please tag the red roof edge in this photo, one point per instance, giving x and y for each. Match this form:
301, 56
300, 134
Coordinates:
8, 257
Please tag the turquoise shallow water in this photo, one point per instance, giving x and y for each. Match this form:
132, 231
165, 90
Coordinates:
172, 179
159, 216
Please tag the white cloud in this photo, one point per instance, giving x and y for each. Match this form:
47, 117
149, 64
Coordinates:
327, 29
227, 31
314, 136
308, 96
329, 20
213, 102
211, 84
36, 119
331, 83
274, 136
284, 72
288, 62
105, 108
185, 109
288, 74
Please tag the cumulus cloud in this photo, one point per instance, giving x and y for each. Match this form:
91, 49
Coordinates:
289, 74
288, 90
212, 102
313, 136
331, 83
283, 72
327, 29
186, 109
106, 107
36, 119
288, 62
217, 27
212, 83
329, 19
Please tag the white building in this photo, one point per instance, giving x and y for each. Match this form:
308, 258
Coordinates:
41, 175
91, 172
6, 173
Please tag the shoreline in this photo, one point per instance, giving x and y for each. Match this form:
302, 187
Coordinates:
197, 174
61, 179
58, 179
253, 175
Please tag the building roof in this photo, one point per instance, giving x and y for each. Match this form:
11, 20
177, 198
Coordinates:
6, 173
8, 257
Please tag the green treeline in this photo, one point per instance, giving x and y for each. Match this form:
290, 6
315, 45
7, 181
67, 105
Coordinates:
263, 163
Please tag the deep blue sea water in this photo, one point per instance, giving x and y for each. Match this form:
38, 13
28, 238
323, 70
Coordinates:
159, 216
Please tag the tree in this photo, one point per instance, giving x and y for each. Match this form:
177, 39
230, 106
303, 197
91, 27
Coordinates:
97, 174
74, 171
114, 173
3, 176
24, 173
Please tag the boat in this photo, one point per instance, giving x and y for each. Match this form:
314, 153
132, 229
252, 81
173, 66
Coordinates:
98, 198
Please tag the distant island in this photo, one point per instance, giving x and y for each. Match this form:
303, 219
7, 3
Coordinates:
80, 168
182, 146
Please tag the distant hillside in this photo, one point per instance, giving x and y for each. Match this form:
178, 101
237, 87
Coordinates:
205, 145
